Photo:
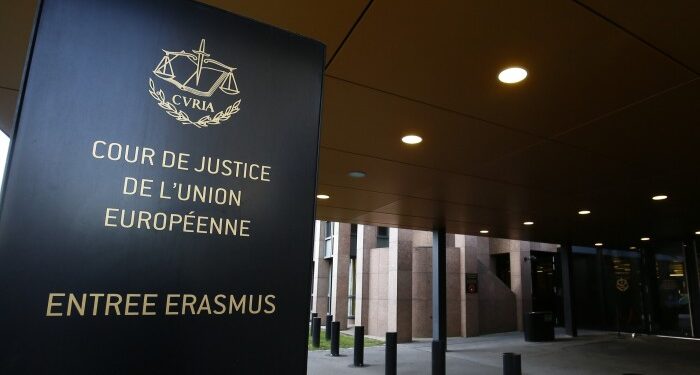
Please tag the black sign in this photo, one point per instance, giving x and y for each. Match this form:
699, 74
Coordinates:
158, 209
471, 283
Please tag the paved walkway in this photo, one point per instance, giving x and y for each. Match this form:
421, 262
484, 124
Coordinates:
590, 353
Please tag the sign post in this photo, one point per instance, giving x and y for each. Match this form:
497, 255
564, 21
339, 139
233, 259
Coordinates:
157, 215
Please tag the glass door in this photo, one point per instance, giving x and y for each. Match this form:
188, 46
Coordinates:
669, 299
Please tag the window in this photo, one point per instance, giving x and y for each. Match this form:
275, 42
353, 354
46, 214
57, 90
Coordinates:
500, 265
382, 237
328, 243
353, 240
351, 289
330, 287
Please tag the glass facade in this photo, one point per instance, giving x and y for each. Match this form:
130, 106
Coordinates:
328, 239
382, 237
644, 290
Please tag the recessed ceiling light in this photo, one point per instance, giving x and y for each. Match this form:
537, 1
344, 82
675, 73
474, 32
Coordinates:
659, 197
529, 223
599, 244
633, 247
323, 196
411, 139
698, 233
645, 238
512, 75
584, 212
484, 231
357, 174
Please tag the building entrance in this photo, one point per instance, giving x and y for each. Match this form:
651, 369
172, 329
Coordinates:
546, 284
638, 290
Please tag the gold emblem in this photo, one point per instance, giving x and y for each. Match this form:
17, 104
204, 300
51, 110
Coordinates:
198, 79
622, 284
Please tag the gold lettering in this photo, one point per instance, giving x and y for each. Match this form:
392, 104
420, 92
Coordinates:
204, 305
169, 304
80, 307
271, 306
188, 301
237, 306
220, 304
51, 304
95, 302
110, 304
128, 305
146, 304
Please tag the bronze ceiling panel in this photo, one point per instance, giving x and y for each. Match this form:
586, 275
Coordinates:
607, 117
325, 21
381, 175
368, 122
16, 19
449, 53
8, 102
558, 168
670, 26
657, 136
359, 200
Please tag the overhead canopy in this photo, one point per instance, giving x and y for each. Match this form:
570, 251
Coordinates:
608, 116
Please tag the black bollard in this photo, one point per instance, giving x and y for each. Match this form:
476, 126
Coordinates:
335, 339
329, 321
517, 370
508, 364
359, 350
438, 354
316, 332
313, 315
390, 360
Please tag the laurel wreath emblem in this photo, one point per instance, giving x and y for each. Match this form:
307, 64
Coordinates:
181, 116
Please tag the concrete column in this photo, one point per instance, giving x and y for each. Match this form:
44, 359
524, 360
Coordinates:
422, 301
366, 240
319, 300
567, 276
469, 303
341, 264
399, 279
521, 279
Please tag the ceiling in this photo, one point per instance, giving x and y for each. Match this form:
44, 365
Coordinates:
607, 118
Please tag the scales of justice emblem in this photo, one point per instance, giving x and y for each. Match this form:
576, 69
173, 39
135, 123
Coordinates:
198, 78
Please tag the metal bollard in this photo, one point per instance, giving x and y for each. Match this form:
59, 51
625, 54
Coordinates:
438, 354
359, 350
335, 339
517, 370
508, 364
329, 320
313, 315
316, 332
390, 366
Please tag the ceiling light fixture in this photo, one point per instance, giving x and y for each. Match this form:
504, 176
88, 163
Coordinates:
599, 244
411, 139
584, 212
323, 196
645, 238
698, 233
484, 231
529, 223
512, 75
659, 197
357, 174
